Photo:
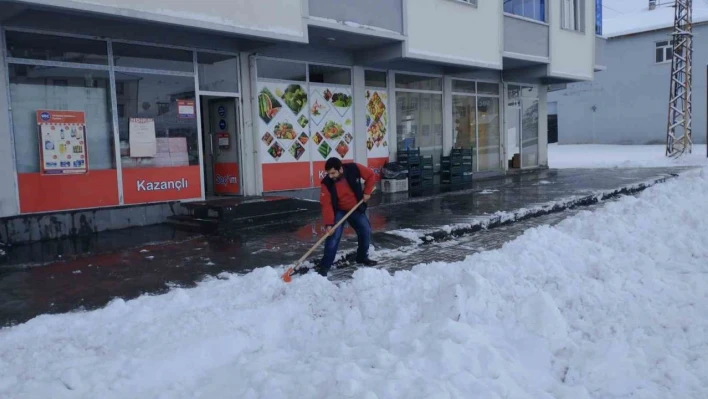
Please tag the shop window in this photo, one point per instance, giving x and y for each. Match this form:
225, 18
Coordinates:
488, 88
476, 118
56, 48
464, 86
375, 79
34, 88
159, 101
281, 70
489, 139
418, 82
149, 57
529, 131
330, 75
419, 122
218, 72
465, 118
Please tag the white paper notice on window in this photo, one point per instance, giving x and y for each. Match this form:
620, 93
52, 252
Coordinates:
142, 138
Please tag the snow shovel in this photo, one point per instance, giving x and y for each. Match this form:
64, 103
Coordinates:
288, 275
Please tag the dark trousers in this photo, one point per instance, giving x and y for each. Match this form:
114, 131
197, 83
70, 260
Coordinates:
360, 224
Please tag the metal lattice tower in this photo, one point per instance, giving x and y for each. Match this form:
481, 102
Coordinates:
678, 137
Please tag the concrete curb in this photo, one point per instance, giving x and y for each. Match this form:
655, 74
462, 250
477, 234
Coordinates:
506, 218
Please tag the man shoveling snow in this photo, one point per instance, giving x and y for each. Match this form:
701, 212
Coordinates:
341, 192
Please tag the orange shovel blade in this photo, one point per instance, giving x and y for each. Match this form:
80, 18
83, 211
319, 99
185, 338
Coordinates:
287, 276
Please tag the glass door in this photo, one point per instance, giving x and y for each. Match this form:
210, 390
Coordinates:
221, 138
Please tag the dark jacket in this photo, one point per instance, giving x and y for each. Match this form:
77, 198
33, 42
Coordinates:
352, 174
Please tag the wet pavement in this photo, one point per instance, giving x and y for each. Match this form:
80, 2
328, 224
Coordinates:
456, 249
67, 275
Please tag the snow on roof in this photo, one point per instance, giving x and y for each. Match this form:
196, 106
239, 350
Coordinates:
626, 17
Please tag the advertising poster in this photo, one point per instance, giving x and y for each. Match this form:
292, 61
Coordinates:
62, 142
376, 129
283, 130
331, 124
143, 143
185, 109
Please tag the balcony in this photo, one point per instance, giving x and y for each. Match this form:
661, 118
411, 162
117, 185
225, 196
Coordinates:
525, 39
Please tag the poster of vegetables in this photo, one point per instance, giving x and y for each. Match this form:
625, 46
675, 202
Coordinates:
376, 123
283, 115
331, 126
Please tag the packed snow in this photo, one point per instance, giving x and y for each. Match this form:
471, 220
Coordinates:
625, 17
620, 156
606, 304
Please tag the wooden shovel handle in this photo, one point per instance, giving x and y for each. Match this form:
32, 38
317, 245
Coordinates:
335, 227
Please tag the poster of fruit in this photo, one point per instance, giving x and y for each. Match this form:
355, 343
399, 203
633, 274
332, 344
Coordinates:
376, 123
331, 126
62, 142
282, 122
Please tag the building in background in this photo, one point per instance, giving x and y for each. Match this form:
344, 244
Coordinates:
128, 109
628, 102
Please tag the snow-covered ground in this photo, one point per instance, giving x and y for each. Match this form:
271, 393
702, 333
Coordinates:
608, 304
620, 156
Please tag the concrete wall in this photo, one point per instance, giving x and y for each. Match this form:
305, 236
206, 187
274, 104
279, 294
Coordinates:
30, 228
270, 18
572, 52
533, 35
630, 98
386, 14
8, 182
455, 32
600, 60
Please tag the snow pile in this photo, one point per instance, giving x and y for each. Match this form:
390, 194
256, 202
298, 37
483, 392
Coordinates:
624, 17
620, 156
609, 304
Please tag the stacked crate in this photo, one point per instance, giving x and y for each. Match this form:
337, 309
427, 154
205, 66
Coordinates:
467, 166
420, 168
410, 158
451, 168
426, 164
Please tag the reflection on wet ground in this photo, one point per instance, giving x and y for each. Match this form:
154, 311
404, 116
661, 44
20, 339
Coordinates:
86, 273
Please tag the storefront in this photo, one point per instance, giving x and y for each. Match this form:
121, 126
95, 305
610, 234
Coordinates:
108, 122
100, 123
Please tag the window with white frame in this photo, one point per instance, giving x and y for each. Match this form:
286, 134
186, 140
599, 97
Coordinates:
572, 12
664, 52
472, 2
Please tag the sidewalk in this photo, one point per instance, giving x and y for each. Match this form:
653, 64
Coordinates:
78, 280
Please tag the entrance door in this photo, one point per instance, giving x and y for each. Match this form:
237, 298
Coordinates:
221, 134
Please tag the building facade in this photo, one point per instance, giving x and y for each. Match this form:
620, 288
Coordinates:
113, 105
628, 102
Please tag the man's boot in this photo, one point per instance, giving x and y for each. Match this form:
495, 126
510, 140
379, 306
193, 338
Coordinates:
367, 262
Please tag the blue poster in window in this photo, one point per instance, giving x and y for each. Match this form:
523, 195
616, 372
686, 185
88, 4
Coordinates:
222, 111
598, 17
222, 124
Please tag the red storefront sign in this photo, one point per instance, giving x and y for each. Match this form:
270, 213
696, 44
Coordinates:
226, 178
142, 185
